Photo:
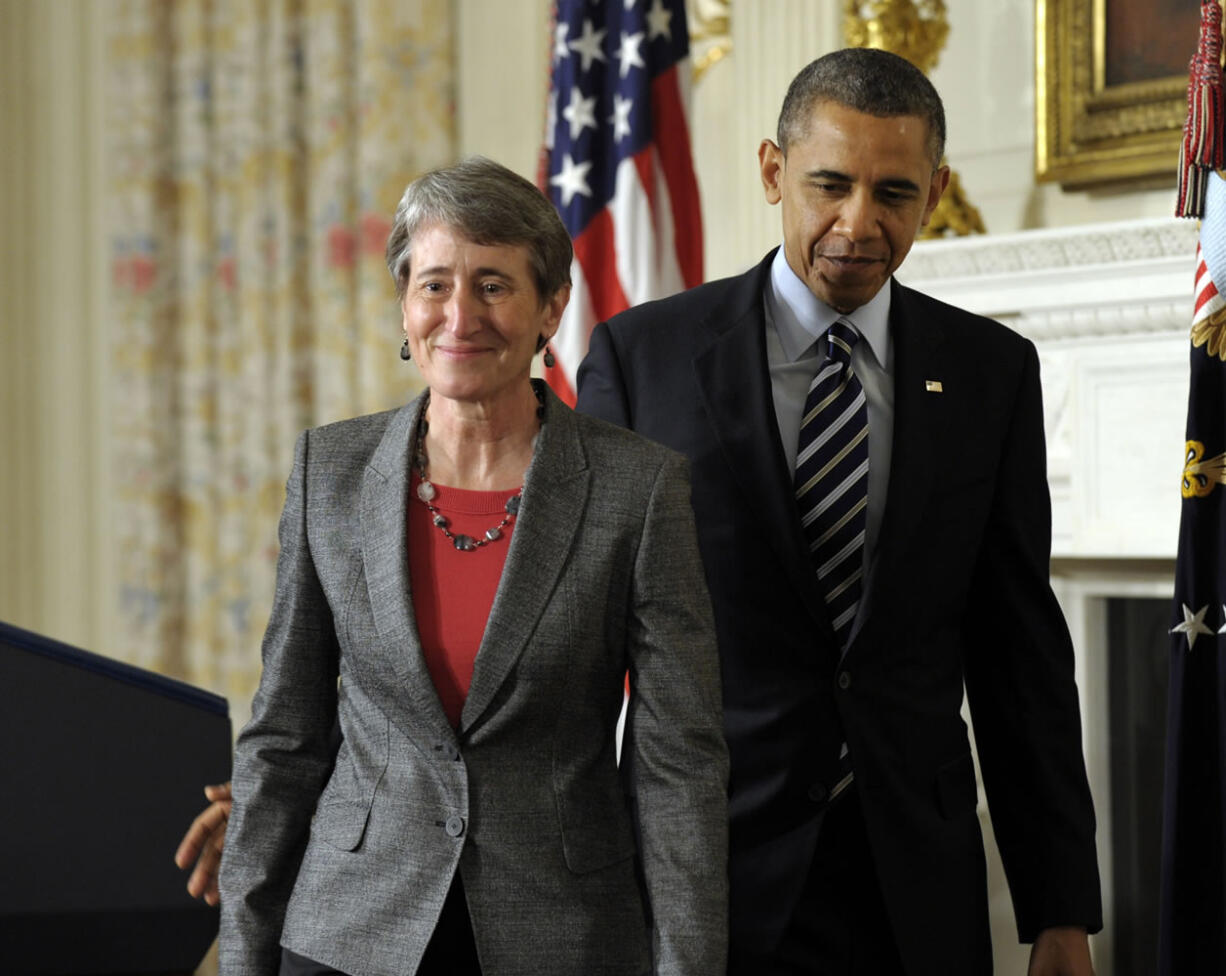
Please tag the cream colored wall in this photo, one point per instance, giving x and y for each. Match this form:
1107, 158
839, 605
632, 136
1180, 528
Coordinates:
55, 543
502, 48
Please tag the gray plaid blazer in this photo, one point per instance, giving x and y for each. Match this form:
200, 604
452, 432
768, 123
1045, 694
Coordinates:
355, 800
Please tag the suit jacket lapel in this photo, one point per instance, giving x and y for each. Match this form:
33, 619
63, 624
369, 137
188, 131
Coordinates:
398, 672
551, 510
734, 381
917, 359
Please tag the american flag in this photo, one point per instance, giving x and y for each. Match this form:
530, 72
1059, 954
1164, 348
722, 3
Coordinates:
616, 163
1192, 904
1208, 302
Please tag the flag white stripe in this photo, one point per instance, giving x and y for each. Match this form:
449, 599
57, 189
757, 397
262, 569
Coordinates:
633, 235
570, 341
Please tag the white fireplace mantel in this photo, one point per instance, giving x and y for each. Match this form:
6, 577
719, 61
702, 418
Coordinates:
1108, 306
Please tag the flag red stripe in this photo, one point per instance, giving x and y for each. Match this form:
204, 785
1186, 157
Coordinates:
597, 255
1205, 295
671, 134
1204, 290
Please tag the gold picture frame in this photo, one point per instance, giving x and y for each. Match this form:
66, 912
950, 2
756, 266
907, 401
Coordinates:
1101, 118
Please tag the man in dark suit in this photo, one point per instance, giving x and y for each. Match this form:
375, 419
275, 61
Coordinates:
857, 592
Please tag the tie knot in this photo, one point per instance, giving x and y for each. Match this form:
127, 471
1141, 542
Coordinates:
841, 339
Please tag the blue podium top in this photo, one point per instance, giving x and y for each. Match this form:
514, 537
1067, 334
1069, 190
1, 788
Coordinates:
25, 640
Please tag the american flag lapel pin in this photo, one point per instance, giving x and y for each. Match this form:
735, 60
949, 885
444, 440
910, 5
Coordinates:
933, 386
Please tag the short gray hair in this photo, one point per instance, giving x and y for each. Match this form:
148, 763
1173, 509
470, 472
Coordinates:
488, 204
867, 80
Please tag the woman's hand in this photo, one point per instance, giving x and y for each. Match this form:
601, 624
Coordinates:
203, 844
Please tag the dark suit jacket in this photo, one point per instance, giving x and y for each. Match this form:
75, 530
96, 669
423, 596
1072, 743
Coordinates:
959, 592
346, 856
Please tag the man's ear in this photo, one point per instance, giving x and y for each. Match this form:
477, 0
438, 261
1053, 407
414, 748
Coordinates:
770, 165
940, 180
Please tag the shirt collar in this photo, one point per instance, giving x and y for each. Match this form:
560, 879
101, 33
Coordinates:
801, 318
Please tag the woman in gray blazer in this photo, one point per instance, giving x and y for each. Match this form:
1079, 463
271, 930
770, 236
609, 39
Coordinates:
429, 781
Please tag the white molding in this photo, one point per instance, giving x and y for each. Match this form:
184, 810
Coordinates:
1108, 306
1130, 400
1067, 283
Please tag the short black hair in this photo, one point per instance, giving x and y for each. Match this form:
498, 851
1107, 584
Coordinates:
867, 80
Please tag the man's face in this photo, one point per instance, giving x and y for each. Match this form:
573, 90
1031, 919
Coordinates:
855, 189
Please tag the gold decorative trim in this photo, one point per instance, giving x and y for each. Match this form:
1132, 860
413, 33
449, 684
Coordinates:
1201, 474
913, 29
710, 33
916, 30
1210, 332
1087, 132
954, 214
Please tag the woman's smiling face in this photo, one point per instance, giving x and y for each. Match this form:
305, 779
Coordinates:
472, 314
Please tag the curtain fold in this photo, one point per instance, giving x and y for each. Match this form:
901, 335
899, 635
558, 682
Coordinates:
257, 149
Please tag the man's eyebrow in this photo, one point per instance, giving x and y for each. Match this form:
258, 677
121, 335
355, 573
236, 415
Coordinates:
828, 176
899, 183
834, 176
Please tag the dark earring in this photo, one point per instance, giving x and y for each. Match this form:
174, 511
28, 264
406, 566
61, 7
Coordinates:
548, 359
404, 351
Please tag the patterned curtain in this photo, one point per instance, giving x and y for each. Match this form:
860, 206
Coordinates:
257, 149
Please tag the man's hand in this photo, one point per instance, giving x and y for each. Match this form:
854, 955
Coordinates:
203, 844
1061, 951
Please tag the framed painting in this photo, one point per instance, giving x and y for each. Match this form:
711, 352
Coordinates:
1111, 89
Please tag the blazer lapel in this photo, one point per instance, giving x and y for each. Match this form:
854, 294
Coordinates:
551, 510
734, 382
398, 672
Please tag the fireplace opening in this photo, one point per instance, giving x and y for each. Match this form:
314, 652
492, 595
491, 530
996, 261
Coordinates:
1138, 645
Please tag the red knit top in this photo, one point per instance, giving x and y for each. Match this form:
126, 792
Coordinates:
453, 591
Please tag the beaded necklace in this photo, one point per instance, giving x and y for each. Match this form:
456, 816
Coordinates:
427, 492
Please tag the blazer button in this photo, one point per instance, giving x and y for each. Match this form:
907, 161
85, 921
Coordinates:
818, 793
844, 680
454, 825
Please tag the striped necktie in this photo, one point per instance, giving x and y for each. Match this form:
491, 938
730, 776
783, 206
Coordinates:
832, 477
